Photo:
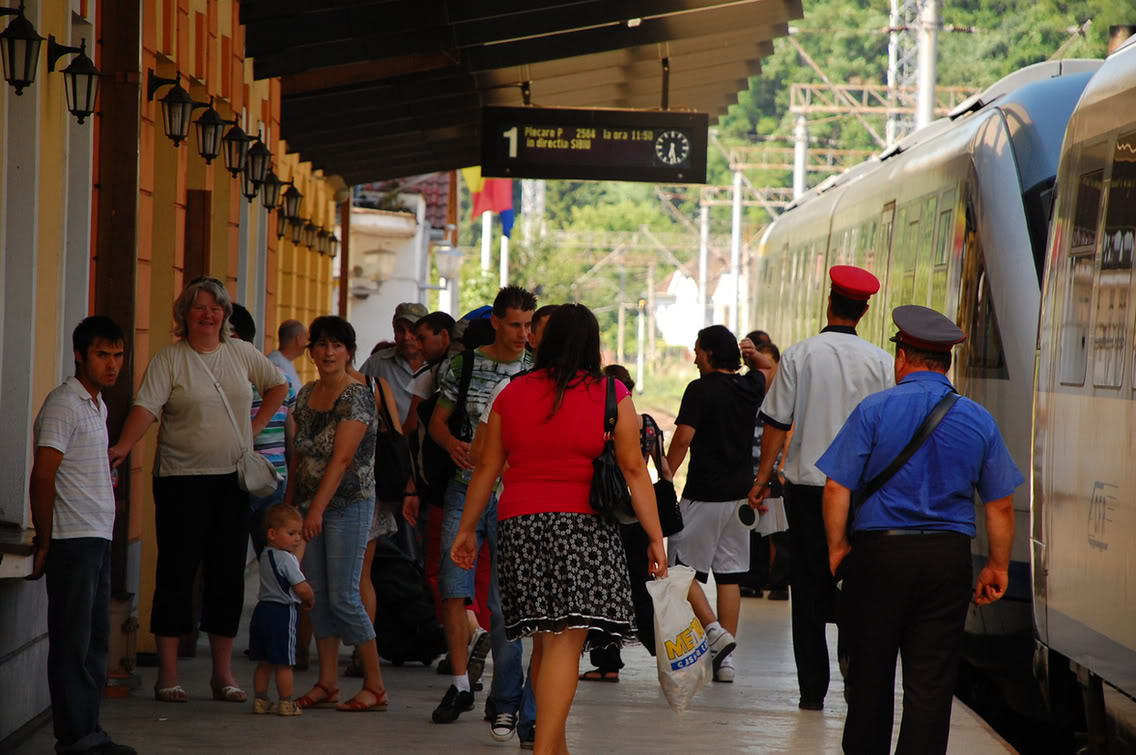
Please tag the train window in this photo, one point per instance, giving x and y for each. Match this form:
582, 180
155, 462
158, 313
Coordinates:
1075, 329
943, 249
986, 356
1110, 332
1088, 211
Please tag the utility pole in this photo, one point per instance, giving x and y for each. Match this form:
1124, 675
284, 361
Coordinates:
928, 50
652, 343
504, 273
703, 264
800, 155
640, 348
486, 240
620, 352
736, 247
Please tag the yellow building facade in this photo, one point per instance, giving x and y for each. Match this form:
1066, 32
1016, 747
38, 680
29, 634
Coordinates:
109, 217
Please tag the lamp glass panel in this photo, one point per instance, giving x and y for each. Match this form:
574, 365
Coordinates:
236, 150
270, 191
258, 159
281, 225
21, 58
292, 199
208, 140
249, 187
177, 115
309, 237
297, 231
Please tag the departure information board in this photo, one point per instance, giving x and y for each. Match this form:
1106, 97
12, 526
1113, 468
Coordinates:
607, 145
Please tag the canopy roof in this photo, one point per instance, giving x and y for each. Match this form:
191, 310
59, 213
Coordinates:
375, 89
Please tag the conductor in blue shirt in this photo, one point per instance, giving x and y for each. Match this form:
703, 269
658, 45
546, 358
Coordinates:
907, 577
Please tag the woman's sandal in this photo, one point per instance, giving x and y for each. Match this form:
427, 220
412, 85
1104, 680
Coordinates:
307, 701
229, 693
599, 675
174, 694
355, 706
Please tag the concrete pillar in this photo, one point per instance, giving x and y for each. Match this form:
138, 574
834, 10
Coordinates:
928, 43
800, 156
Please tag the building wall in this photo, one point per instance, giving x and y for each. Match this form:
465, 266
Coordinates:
54, 188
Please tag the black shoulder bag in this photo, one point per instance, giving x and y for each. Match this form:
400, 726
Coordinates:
609, 494
670, 516
921, 435
392, 456
437, 467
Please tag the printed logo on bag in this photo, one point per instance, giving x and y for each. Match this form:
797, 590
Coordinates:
687, 647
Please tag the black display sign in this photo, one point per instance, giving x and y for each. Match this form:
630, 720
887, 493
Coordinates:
607, 145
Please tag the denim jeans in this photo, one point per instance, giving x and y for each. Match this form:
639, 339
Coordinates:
78, 631
526, 721
455, 582
333, 562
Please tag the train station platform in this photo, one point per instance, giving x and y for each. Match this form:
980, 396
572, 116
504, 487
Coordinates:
756, 714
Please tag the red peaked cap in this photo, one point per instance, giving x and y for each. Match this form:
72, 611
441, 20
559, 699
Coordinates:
925, 329
852, 282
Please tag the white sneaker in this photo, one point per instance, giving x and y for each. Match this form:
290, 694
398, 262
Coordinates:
479, 645
725, 671
721, 645
504, 726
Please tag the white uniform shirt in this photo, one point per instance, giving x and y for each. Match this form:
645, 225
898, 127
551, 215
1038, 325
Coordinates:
74, 423
819, 383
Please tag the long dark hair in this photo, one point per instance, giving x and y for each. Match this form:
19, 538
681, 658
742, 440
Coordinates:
570, 346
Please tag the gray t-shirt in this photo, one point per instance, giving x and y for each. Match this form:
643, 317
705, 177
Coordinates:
279, 571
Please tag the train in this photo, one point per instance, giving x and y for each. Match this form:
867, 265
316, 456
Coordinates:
957, 217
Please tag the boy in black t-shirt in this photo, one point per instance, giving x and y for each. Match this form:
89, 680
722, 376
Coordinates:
715, 422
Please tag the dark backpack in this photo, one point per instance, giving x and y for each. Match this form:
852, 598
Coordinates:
392, 454
435, 467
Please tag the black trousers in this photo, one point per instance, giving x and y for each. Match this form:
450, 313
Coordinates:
905, 594
812, 588
199, 520
78, 633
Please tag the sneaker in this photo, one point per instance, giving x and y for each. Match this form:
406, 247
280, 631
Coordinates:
528, 741
479, 646
288, 708
778, 595
503, 727
453, 705
725, 671
810, 704
721, 645
261, 705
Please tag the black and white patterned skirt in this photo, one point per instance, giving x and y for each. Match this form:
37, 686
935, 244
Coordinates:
560, 571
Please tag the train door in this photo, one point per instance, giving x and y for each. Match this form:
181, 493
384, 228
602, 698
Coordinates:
906, 256
924, 261
940, 286
880, 265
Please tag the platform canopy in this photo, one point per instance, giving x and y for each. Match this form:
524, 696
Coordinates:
375, 90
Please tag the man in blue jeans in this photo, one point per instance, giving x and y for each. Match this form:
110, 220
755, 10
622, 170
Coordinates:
512, 320
72, 501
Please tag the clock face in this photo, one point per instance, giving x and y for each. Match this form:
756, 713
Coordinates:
672, 147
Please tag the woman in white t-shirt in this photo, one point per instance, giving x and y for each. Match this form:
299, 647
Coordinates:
201, 514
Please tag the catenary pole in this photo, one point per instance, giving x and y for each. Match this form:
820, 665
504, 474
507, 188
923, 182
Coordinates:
736, 248
800, 155
504, 260
928, 42
486, 240
703, 264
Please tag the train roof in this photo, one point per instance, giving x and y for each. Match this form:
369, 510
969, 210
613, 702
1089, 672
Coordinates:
1116, 76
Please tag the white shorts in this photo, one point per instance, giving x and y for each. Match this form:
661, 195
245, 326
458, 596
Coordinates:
712, 540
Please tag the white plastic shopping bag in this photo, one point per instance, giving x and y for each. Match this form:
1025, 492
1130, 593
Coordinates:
681, 648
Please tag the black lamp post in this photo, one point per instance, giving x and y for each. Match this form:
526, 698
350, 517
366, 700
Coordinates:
292, 199
209, 128
177, 105
270, 191
19, 49
80, 77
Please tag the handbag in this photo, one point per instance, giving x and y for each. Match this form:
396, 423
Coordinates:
609, 495
666, 499
392, 456
255, 474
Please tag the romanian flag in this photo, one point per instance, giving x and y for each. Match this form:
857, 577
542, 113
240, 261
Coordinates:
496, 195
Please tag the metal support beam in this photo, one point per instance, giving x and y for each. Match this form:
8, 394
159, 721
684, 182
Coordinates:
840, 95
703, 264
736, 247
800, 155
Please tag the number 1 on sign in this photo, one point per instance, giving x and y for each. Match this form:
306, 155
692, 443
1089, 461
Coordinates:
511, 135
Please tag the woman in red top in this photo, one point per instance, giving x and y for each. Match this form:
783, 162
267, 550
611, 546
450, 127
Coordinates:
561, 567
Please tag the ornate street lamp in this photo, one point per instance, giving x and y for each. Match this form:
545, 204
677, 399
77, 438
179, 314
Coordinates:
80, 77
448, 260
177, 105
259, 158
19, 49
249, 188
281, 225
236, 143
309, 237
333, 246
297, 229
270, 191
292, 199
322, 237
209, 128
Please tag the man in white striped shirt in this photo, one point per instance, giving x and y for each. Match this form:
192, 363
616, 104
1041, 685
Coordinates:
73, 512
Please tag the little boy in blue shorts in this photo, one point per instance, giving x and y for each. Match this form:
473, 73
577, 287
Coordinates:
272, 632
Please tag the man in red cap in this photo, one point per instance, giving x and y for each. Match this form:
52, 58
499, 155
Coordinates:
907, 571
820, 381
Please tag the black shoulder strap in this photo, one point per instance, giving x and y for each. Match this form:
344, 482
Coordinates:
383, 405
611, 410
459, 413
921, 435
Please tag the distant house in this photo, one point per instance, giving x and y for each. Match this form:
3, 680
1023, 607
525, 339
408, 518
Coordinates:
676, 311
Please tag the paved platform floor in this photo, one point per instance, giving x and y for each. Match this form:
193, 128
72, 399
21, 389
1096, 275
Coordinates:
756, 714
